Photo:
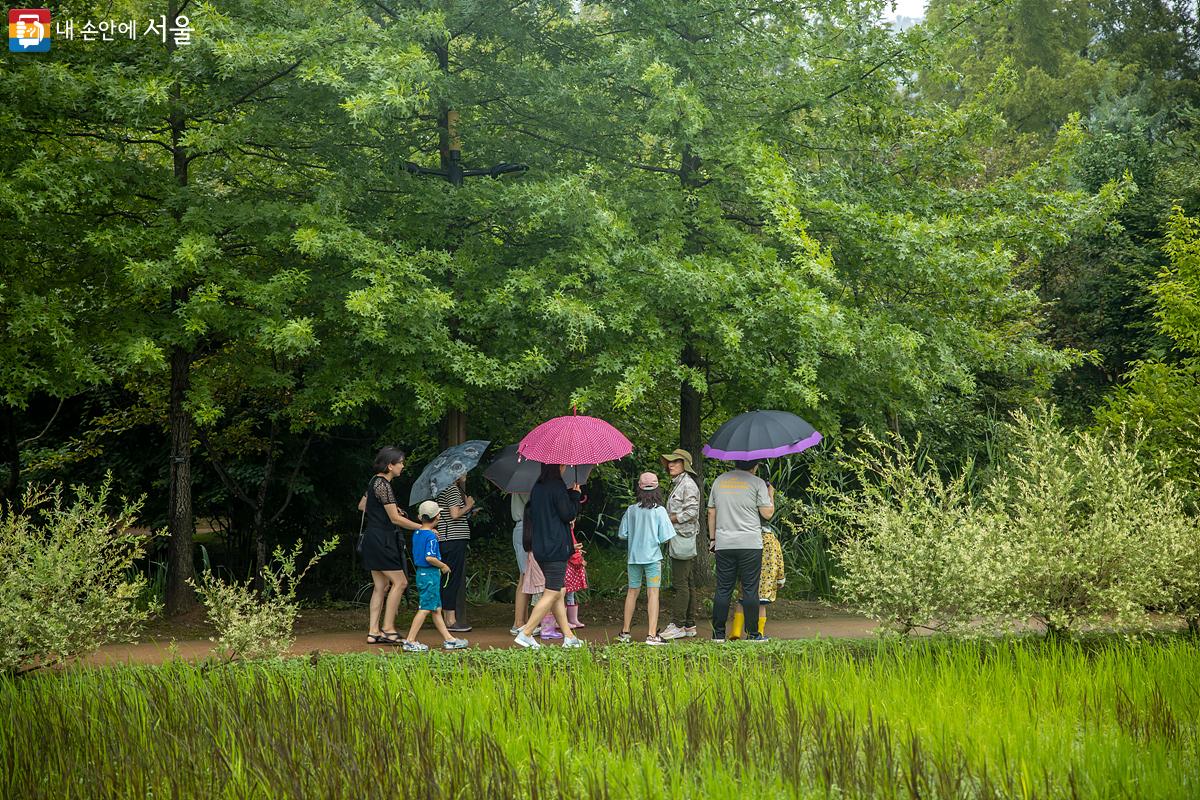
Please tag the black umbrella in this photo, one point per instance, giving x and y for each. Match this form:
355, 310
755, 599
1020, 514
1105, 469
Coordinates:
761, 434
511, 473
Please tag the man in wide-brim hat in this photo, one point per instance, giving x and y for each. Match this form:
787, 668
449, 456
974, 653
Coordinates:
683, 505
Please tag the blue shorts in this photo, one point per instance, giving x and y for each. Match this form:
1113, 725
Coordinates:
429, 586
651, 572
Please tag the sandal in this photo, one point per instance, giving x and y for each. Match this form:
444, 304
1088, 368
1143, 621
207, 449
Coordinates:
391, 637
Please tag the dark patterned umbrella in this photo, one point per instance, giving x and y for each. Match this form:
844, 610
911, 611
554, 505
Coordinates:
449, 466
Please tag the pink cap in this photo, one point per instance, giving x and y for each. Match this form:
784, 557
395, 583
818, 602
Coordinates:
647, 480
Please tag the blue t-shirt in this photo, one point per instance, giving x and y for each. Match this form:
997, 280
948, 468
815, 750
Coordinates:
425, 544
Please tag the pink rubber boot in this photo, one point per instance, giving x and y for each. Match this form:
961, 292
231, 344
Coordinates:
573, 616
550, 628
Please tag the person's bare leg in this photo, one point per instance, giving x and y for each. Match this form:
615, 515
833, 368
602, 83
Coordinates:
652, 609
418, 621
399, 584
377, 594
560, 616
521, 608
544, 604
449, 616
631, 596
440, 624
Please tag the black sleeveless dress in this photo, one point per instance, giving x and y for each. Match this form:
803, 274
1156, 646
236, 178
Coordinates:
383, 545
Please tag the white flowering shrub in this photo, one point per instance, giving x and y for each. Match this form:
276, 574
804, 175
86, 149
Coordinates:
1072, 530
67, 577
1090, 534
1180, 568
250, 626
911, 546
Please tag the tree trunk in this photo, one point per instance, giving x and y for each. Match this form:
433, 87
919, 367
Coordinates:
12, 457
259, 508
690, 439
453, 428
689, 398
180, 568
180, 523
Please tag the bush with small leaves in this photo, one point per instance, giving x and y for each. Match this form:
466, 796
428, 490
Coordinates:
67, 577
254, 626
1091, 536
913, 549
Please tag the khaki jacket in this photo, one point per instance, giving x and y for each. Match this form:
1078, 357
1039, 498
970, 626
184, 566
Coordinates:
684, 503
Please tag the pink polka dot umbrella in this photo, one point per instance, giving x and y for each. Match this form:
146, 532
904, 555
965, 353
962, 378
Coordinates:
574, 440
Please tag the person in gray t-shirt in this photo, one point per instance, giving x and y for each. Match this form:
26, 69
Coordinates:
737, 503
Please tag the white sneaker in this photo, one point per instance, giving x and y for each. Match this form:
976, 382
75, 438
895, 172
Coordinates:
624, 636
574, 641
455, 644
523, 640
413, 647
655, 640
673, 631
689, 631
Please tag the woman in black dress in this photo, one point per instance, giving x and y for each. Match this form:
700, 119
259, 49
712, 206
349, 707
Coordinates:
382, 547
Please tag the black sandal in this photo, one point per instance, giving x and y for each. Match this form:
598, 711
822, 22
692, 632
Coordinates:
391, 637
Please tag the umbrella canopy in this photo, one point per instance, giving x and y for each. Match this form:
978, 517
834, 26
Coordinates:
761, 434
511, 473
574, 440
450, 465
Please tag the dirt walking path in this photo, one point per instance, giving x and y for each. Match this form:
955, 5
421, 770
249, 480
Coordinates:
343, 632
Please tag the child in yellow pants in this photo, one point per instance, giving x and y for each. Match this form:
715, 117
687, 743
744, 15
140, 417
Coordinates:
768, 584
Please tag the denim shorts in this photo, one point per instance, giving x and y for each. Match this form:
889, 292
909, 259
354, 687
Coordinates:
651, 572
429, 586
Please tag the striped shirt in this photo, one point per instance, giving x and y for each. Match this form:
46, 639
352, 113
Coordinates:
449, 530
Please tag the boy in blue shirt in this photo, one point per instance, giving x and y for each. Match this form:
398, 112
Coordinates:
430, 568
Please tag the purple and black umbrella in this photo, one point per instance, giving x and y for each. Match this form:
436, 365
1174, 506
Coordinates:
761, 434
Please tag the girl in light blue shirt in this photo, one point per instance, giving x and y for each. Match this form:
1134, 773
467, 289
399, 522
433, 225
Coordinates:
646, 526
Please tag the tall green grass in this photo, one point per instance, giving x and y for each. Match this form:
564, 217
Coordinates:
924, 719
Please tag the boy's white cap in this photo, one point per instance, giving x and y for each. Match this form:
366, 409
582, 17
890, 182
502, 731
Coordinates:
428, 510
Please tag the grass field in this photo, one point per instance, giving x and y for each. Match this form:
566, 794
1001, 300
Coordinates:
1108, 719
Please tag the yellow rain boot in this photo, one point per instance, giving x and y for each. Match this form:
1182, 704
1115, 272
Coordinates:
762, 619
739, 619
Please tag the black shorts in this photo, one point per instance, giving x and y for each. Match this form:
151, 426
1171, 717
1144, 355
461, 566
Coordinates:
556, 575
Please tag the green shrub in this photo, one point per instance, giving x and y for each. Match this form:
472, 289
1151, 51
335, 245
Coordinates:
250, 625
913, 549
1086, 526
1071, 530
67, 583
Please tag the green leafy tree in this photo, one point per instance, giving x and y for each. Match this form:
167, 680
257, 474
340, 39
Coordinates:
1163, 395
211, 157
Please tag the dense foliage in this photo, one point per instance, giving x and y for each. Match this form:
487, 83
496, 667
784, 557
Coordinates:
226, 281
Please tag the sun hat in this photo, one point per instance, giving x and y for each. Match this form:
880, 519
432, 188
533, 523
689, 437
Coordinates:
428, 510
679, 455
647, 480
